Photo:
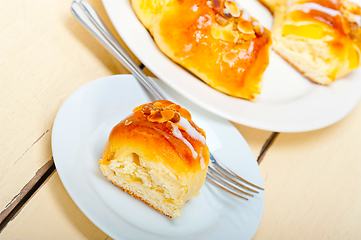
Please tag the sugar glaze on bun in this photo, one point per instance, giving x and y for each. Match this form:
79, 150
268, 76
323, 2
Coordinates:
158, 155
217, 40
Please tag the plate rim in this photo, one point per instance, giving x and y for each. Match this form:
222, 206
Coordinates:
257, 124
65, 182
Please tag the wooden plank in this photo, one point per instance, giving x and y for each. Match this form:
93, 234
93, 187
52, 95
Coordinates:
26, 193
256, 139
51, 214
267, 145
45, 54
313, 183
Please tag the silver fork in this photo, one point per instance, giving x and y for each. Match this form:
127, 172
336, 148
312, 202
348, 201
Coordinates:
217, 174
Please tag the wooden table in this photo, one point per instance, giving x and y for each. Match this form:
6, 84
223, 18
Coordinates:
312, 179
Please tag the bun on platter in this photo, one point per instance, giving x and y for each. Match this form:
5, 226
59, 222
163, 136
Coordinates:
320, 38
217, 40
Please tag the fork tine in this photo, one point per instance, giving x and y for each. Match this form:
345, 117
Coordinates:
226, 182
224, 176
214, 181
230, 174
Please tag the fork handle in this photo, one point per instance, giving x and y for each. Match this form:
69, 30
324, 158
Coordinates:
86, 14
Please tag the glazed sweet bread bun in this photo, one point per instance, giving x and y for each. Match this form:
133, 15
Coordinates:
320, 38
158, 155
216, 40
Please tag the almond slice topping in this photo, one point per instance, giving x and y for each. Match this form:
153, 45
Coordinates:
258, 29
184, 113
245, 27
171, 124
167, 115
232, 8
176, 118
230, 36
139, 107
148, 109
174, 107
229, 57
221, 20
215, 31
155, 117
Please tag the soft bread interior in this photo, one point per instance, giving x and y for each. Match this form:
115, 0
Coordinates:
306, 55
150, 182
312, 57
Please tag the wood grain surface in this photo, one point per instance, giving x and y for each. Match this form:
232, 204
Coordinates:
45, 54
313, 183
312, 180
51, 214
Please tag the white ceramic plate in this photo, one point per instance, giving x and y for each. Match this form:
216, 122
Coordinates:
288, 103
80, 131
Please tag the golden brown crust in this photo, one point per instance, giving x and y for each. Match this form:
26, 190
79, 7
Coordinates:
159, 147
215, 40
154, 134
